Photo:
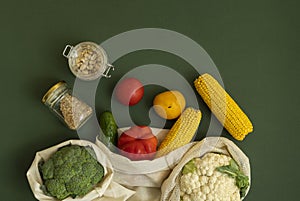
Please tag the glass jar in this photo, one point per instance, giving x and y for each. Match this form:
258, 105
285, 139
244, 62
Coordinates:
69, 109
88, 61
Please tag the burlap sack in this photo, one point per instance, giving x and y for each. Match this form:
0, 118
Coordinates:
144, 177
35, 180
170, 190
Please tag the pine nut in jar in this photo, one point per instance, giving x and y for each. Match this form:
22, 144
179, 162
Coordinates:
68, 108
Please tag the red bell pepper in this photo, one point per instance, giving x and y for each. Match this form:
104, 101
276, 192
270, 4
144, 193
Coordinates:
138, 143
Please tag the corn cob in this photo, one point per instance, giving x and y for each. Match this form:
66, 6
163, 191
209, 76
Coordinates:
223, 107
182, 131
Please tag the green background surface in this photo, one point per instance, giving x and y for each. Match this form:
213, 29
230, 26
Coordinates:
254, 44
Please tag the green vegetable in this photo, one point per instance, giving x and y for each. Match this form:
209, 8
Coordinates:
71, 171
190, 167
233, 170
109, 129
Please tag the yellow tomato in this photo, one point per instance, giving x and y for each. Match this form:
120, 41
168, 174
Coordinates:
169, 104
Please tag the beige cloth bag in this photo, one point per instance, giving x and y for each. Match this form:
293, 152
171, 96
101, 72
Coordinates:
170, 190
115, 192
147, 173
144, 177
103, 190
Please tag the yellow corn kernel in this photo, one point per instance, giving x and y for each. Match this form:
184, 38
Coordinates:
182, 132
223, 107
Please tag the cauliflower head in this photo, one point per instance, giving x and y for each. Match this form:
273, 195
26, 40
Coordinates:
71, 171
201, 181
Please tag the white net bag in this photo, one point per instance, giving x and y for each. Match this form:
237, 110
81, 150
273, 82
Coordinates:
170, 187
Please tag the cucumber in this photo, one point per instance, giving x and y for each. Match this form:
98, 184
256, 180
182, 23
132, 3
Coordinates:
109, 129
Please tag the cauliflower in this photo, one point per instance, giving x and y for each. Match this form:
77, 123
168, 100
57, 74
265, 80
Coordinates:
71, 171
203, 179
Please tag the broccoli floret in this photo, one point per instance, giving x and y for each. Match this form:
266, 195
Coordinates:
93, 171
71, 171
48, 169
57, 188
88, 154
65, 172
79, 185
98, 176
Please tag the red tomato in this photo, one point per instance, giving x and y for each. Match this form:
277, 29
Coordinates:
129, 91
138, 143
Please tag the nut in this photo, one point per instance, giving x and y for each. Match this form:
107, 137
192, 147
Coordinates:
88, 61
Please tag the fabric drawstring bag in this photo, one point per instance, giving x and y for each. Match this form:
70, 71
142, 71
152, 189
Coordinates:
170, 187
102, 191
144, 177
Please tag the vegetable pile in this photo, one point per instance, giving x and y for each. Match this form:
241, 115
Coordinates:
172, 105
215, 177
71, 171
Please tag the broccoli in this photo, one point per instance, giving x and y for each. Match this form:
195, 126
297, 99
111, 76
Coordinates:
71, 171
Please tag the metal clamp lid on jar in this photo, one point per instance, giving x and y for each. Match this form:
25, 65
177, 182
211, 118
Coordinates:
52, 94
87, 61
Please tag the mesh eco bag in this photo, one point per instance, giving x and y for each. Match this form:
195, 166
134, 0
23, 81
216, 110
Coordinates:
35, 180
170, 190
